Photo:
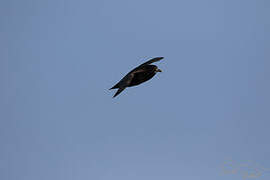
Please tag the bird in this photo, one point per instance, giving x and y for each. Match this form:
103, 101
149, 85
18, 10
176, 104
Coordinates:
138, 75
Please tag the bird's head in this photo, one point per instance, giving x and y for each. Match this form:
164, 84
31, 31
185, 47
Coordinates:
157, 70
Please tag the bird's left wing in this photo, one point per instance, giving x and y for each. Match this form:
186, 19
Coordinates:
152, 61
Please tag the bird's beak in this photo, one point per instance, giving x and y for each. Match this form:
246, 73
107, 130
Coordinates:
159, 70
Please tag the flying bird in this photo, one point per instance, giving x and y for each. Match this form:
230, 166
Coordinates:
138, 75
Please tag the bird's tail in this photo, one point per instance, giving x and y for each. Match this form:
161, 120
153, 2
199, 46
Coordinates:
119, 91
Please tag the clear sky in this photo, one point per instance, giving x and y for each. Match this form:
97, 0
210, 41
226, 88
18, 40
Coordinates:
210, 105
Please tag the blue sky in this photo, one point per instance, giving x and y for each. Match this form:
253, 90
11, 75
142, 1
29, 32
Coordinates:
210, 105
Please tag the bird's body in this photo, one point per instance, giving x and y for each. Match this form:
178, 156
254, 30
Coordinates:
140, 74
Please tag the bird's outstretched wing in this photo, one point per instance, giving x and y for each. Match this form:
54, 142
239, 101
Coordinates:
151, 61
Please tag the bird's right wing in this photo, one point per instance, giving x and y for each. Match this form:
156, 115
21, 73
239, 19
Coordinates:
151, 61
125, 82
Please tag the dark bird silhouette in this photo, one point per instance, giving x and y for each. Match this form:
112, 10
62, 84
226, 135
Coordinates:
138, 75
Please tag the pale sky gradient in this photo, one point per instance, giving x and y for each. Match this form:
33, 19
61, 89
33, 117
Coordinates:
210, 104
